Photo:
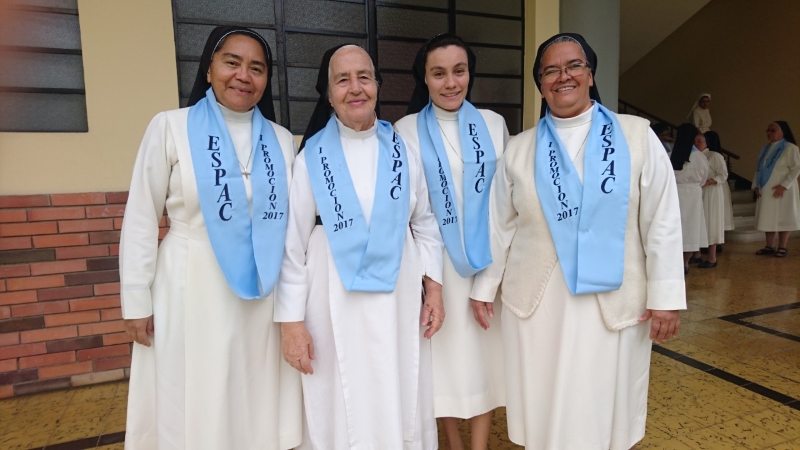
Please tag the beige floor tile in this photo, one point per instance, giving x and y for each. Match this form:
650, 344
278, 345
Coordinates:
747, 434
708, 439
783, 425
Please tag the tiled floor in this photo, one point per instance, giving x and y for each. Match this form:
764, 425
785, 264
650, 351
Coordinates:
730, 381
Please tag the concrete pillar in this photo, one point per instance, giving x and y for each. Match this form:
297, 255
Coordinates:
598, 22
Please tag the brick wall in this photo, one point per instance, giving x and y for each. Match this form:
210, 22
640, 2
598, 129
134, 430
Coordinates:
60, 319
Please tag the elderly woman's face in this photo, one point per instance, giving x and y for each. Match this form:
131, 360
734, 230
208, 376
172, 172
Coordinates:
566, 95
238, 73
704, 103
352, 88
447, 77
700, 141
774, 132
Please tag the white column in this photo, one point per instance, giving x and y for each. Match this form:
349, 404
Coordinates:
598, 22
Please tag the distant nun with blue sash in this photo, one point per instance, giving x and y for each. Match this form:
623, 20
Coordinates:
361, 243
461, 148
593, 274
207, 370
775, 184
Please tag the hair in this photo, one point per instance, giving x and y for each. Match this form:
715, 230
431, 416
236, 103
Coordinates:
371, 63
712, 141
684, 141
444, 40
563, 40
252, 35
787, 132
659, 128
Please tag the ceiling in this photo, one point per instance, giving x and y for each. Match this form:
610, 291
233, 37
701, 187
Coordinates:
645, 23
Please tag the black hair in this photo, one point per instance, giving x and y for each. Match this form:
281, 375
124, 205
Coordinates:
684, 141
659, 128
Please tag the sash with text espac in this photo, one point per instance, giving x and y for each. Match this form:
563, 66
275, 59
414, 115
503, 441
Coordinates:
469, 252
249, 250
367, 257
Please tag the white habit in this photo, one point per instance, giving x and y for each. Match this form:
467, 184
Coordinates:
577, 367
467, 361
780, 214
372, 386
690, 180
214, 376
701, 118
714, 198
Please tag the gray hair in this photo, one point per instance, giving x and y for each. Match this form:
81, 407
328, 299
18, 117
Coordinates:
562, 40
372, 64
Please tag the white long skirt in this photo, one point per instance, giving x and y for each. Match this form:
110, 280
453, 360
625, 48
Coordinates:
778, 214
726, 191
372, 382
214, 376
693, 219
714, 209
572, 383
468, 378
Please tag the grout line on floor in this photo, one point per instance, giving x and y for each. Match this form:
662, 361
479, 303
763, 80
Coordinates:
731, 378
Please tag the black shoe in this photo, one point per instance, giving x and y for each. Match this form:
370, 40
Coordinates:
707, 265
694, 260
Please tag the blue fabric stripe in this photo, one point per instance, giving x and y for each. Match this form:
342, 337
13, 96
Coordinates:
249, 250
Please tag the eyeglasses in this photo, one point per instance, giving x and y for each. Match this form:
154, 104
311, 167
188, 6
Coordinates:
572, 70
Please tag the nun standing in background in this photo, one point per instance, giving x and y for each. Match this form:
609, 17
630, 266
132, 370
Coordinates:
715, 145
700, 114
589, 216
461, 148
716, 197
361, 243
775, 184
691, 173
207, 371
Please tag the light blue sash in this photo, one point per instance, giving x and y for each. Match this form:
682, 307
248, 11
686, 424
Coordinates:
765, 167
480, 162
248, 250
587, 222
367, 257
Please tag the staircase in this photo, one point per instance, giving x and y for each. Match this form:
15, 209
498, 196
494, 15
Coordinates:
744, 219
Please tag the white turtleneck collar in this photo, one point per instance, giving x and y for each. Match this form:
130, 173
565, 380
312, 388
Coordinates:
570, 122
349, 133
230, 115
442, 114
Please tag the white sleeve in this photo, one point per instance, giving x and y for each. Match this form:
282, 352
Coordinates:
719, 169
503, 227
138, 249
660, 230
424, 226
793, 159
292, 291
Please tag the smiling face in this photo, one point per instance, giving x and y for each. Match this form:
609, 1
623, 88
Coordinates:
447, 77
566, 95
774, 132
352, 88
704, 103
238, 73
700, 142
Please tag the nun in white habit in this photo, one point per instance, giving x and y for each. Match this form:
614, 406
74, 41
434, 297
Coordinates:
691, 173
207, 371
700, 114
714, 199
361, 243
461, 148
775, 184
591, 202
